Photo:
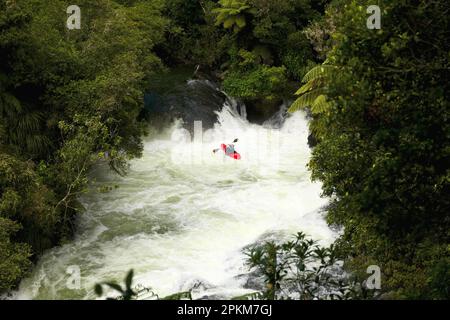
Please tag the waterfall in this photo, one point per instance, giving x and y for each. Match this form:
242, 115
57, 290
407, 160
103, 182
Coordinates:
183, 214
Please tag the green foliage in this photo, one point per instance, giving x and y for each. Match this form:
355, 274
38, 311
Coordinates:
313, 92
192, 36
270, 50
297, 55
257, 61
439, 279
25, 200
68, 99
14, 256
383, 151
232, 14
185, 13
302, 270
250, 80
263, 82
263, 54
274, 21
319, 32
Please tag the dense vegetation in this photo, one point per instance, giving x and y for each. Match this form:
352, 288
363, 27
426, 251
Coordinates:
67, 99
379, 105
384, 136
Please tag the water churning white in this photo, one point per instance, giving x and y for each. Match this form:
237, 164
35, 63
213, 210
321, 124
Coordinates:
182, 215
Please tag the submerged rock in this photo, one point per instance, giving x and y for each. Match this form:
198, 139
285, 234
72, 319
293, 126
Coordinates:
259, 111
193, 100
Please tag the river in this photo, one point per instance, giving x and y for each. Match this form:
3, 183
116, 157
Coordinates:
183, 215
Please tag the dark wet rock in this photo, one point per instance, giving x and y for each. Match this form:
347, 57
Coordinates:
191, 101
198, 285
312, 140
277, 120
258, 111
193, 93
254, 281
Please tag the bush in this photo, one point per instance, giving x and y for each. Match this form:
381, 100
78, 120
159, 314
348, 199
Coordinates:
383, 150
249, 79
300, 269
14, 257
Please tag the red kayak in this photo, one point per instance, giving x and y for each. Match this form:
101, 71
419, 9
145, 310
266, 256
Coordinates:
234, 155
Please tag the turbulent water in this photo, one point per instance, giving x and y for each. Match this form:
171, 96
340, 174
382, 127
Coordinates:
182, 215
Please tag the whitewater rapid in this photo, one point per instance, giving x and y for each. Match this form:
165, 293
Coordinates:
182, 215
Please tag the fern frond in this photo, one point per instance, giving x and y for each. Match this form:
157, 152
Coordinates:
310, 85
317, 127
228, 23
9, 104
319, 105
305, 100
240, 21
231, 14
305, 88
312, 92
221, 16
319, 71
28, 123
37, 144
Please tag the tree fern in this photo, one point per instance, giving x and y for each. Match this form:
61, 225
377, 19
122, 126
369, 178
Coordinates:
318, 126
305, 100
320, 71
9, 105
305, 88
312, 93
27, 123
22, 126
319, 105
37, 143
231, 14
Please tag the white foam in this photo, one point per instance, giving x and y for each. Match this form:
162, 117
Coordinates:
183, 214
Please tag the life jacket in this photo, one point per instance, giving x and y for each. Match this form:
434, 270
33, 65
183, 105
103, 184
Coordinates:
228, 149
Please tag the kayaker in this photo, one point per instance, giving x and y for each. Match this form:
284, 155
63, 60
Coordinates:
229, 149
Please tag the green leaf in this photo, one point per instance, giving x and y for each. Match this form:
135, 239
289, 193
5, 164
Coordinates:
319, 105
305, 88
229, 22
240, 21
306, 100
319, 71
